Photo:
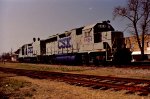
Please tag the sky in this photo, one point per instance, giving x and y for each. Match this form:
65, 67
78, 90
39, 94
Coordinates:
22, 20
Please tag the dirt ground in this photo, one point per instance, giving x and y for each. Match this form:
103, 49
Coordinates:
13, 86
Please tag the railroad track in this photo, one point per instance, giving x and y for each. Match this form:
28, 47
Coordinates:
139, 86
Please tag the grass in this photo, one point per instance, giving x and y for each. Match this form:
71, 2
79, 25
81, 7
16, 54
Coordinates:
10, 87
42, 67
12, 84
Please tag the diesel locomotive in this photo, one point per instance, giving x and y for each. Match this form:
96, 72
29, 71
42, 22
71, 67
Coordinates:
98, 43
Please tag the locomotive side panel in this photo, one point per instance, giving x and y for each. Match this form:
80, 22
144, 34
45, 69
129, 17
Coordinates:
76, 39
26, 50
29, 50
93, 38
36, 48
87, 39
70, 42
64, 43
26, 53
52, 45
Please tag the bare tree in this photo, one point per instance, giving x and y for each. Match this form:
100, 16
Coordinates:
138, 14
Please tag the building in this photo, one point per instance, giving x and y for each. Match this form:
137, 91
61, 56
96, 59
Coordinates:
132, 44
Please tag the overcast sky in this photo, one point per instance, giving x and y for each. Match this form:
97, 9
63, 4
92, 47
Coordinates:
21, 20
